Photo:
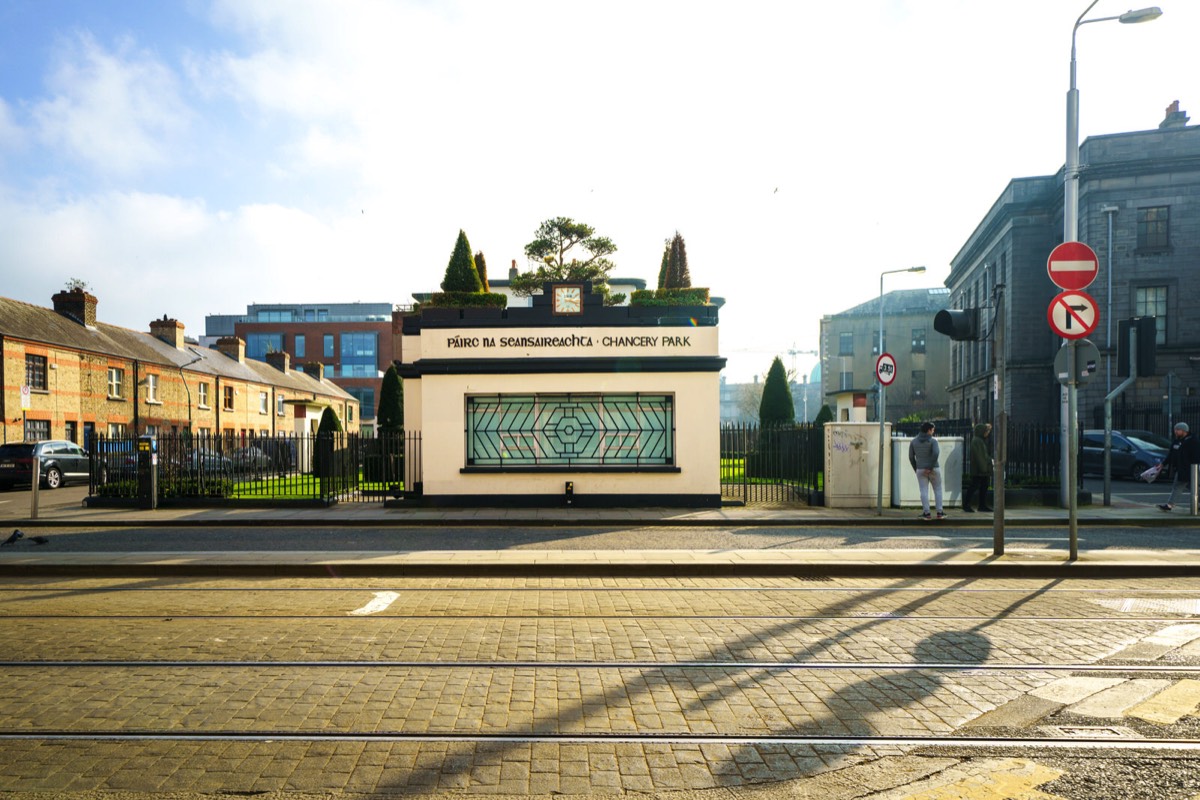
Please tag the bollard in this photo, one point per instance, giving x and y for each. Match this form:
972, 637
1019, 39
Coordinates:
1192, 487
34, 489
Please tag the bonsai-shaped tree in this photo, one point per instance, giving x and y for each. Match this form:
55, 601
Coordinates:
461, 274
776, 407
552, 249
390, 414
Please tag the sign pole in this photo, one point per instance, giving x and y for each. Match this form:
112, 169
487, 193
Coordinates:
1073, 451
1001, 437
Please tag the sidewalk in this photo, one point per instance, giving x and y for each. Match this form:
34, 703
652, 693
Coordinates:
849, 560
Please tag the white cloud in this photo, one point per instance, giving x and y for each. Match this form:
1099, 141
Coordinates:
117, 112
12, 137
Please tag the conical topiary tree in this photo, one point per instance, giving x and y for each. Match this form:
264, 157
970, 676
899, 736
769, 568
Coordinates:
678, 276
481, 268
662, 270
776, 407
390, 414
461, 275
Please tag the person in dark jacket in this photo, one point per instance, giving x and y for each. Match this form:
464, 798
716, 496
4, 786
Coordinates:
980, 469
1184, 452
924, 454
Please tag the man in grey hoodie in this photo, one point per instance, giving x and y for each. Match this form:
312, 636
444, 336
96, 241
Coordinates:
924, 454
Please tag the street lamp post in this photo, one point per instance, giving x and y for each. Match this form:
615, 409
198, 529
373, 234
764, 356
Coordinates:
1069, 459
883, 389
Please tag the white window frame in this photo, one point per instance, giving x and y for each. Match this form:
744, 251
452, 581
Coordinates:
116, 379
264, 403
151, 388
202, 396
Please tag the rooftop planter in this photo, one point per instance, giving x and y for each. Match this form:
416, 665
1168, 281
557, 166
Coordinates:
692, 296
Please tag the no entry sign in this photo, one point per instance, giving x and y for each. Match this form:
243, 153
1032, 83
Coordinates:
1072, 266
1073, 315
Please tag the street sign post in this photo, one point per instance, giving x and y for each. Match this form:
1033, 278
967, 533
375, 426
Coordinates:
1073, 315
1087, 357
885, 369
1072, 266
26, 399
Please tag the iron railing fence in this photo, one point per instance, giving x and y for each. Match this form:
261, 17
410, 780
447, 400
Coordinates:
329, 468
1148, 416
773, 464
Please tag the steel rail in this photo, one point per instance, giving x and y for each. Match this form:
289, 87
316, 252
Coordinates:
939, 742
796, 618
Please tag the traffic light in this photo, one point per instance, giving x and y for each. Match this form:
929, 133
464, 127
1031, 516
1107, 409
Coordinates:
960, 325
1147, 345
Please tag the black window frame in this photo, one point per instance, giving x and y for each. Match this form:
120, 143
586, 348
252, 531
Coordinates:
36, 372
843, 338
1153, 229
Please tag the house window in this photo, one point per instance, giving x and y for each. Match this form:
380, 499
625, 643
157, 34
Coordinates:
151, 388
1151, 301
116, 377
35, 372
71, 432
918, 340
846, 344
875, 342
918, 383
329, 345
264, 403
203, 395
1153, 228
349, 413
279, 407
299, 345
37, 430
152, 430
556, 430
228, 398
116, 430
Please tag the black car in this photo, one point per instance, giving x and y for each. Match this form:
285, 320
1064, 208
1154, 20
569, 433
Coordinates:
61, 462
1131, 455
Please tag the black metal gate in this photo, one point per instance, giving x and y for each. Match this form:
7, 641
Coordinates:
781, 465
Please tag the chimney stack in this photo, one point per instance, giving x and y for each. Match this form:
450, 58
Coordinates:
233, 347
1174, 118
279, 360
313, 369
77, 305
169, 331
512, 271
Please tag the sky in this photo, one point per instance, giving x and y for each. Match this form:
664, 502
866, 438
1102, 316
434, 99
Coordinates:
191, 157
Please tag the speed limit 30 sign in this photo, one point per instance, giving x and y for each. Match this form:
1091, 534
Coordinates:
885, 369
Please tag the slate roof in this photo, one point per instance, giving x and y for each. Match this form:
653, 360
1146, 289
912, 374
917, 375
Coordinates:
32, 323
902, 301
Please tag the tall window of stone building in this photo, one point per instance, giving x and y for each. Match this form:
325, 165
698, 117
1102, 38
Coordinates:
279, 407
264, 403
299, 345
35, 372
1151, 301
875, 343
71, 431
845, 380
918, 340
37, 430
228, 398
1153, 228
116, 377
845, 344
116, 430
918, 383
151, 388
329, 345
202, 396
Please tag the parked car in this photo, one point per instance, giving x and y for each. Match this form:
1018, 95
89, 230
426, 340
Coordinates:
1131, 455
61, 462
251, 459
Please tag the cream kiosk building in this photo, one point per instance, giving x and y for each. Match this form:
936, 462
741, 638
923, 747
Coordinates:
563, 402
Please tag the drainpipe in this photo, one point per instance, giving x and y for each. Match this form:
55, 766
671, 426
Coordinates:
136, 378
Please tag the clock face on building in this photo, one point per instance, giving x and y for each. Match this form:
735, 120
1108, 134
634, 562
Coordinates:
568, 300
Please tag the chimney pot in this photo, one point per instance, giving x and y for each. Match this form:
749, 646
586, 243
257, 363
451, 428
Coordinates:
168, 330
233, 347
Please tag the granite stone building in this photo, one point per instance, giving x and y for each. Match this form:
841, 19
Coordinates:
1144, 187
850, 348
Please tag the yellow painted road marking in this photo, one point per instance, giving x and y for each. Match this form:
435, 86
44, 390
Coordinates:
1170, 705
1011, 779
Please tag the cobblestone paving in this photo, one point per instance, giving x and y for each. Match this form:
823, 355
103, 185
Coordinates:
457, 622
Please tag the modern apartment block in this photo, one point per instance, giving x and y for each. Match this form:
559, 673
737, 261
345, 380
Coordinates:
353, 342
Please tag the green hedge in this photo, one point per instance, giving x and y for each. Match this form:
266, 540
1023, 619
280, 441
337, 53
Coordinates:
466, 300
694, 296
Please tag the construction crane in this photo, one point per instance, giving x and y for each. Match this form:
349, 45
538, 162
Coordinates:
794, 352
